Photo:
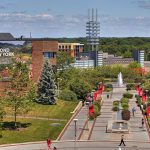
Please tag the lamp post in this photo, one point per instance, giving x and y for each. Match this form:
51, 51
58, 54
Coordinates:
87, 104
75, 133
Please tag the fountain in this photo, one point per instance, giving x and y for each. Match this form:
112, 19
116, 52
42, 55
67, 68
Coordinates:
120, 80
118, 125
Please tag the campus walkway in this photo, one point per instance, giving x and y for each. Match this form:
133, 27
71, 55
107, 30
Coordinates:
98, 139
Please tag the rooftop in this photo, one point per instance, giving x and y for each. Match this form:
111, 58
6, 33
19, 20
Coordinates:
6, 36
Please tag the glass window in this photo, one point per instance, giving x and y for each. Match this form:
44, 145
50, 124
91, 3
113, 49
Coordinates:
49, 54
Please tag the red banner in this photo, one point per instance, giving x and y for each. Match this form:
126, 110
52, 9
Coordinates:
143, 98
148, 111
91, 110
95, 95
137, 88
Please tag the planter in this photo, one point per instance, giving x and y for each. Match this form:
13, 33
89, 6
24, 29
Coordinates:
125, 114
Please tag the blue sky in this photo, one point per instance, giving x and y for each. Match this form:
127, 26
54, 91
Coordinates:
67, 18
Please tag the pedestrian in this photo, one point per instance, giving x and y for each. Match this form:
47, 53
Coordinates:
142, 122
48, 143
133, 111
122, 141
107, 95
54, 148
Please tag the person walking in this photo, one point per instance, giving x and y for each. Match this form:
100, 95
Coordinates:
133, 111
142, 122
48, 143
122, 141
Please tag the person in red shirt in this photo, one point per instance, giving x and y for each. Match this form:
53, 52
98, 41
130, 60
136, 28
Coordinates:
48, 143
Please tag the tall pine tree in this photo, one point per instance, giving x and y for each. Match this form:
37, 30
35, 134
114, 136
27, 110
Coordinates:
46, 85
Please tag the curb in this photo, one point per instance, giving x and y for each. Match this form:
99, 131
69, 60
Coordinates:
75, 112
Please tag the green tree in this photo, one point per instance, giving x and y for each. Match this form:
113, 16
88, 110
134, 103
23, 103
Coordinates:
2, 114
80, 87
46, 85
134, 65
64, 60
16, 97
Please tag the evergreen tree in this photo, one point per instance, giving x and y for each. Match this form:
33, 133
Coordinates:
46, 85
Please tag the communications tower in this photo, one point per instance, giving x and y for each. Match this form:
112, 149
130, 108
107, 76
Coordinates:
92, 30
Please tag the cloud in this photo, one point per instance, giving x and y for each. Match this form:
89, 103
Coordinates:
2, 7
44, 22
48, 25
129, 26
144, 4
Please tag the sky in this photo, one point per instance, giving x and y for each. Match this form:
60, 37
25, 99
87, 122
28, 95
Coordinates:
67, 18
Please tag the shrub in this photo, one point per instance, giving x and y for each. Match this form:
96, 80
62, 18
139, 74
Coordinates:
96, 111
115, 103
97, 104
128, 95
125, 106
148, 120
125, 100
139, 101
67, 95
130, 86
126, 115
144, 106
115, 108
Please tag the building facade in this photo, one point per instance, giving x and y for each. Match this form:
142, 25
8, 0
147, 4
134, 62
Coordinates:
72, 48
40, 51
138, 56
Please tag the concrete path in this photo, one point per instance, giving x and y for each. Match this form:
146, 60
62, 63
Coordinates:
81, 125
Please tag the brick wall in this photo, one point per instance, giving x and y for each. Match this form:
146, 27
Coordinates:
38, 47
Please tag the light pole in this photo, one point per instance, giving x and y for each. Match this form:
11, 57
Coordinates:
87, 104
75, 133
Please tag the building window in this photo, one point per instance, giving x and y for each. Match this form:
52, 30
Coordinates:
49, 54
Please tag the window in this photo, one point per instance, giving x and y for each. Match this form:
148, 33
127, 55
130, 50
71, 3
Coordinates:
49, 54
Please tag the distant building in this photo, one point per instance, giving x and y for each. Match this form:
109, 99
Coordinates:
117, 60
72, 48
6, 37
138, 56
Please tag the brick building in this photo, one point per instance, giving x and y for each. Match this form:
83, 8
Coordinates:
40, 50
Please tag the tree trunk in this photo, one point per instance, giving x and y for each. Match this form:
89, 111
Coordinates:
15, 117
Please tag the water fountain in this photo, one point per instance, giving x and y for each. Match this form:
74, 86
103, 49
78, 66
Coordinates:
118, 125
120, 80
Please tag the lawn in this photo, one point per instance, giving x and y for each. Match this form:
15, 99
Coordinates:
37, 130
40, 129
60, 111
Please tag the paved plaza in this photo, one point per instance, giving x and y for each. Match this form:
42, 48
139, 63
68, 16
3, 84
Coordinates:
92, 135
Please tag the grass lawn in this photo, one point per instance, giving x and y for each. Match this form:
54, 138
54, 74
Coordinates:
38, 130
60, 111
